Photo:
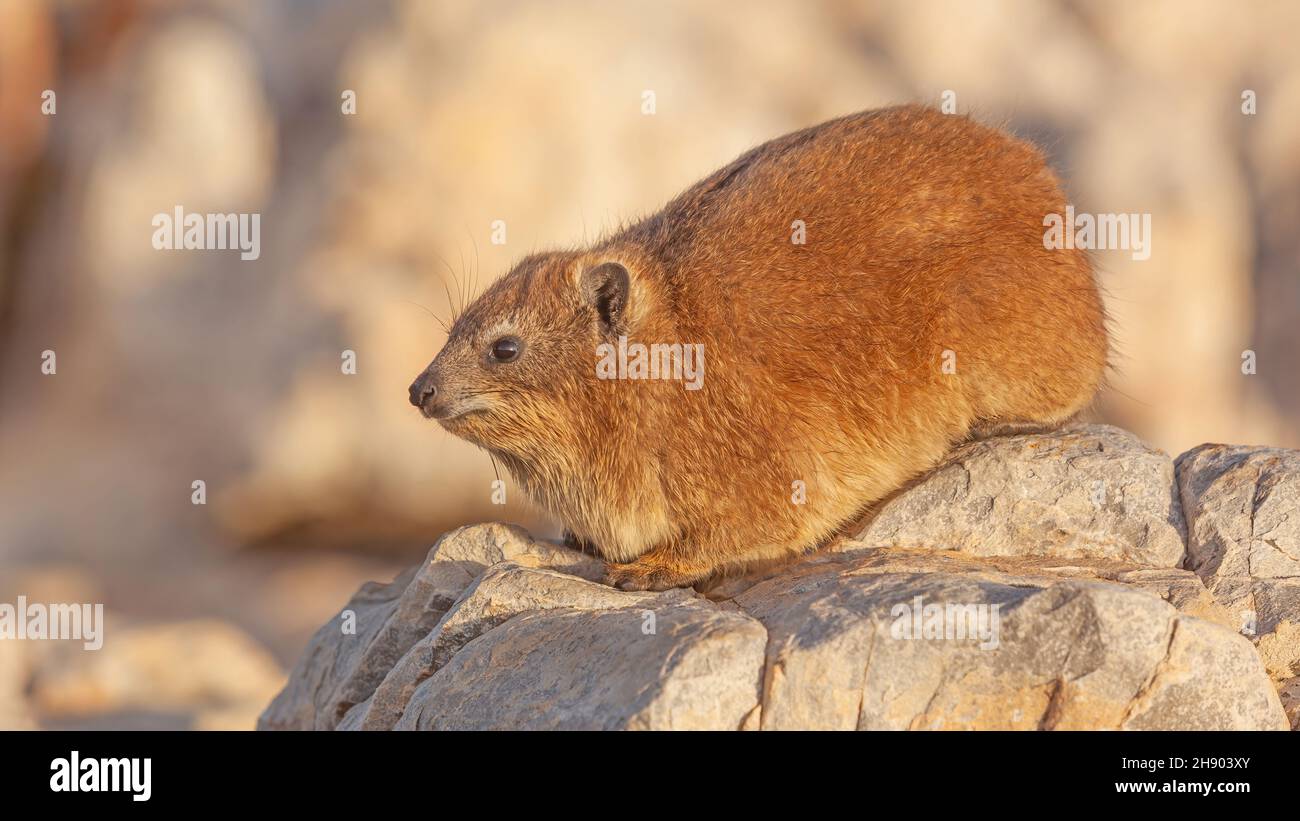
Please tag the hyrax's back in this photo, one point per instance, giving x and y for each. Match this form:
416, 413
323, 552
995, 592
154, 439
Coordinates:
869, 292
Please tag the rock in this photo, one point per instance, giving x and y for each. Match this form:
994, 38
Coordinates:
1243, 539
1181, 588
505, 590
1030, 582
1279, 648
815, 644
700, 669
1086, 491
1066, 654
342, 669
1289, 692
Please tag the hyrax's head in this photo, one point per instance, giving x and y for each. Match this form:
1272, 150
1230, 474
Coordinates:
517, 374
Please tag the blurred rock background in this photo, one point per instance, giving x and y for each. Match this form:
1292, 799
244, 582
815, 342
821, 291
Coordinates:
183, 366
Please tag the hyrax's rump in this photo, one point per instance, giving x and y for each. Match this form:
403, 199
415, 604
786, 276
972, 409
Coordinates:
856, 298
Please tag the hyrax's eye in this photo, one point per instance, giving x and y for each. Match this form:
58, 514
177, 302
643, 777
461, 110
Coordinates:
505, 349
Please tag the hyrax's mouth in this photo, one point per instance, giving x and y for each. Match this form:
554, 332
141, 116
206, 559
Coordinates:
434, 401
449, 413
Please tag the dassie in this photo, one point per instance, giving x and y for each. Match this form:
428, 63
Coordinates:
842, 305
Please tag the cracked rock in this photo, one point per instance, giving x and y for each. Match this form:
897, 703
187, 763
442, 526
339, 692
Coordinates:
340, 669
502, 592
600, 669
1243, 515
1069, 654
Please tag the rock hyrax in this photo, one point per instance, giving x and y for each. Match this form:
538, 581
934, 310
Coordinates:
831, 313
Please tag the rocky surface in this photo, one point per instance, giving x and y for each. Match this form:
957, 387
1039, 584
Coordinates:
1004, 590
1069, 654
669, 662
1090, 490
349, 656
1243, 539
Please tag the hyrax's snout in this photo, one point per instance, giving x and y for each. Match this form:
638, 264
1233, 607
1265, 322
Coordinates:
424, 391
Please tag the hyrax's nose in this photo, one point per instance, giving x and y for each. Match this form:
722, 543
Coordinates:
424, 388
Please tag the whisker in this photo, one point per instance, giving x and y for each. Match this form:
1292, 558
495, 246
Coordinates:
445, 327
464, 278
451, 302
474, 275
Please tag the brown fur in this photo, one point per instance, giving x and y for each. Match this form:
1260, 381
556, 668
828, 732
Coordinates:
823, 361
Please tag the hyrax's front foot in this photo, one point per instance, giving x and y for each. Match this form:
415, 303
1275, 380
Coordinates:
651, 572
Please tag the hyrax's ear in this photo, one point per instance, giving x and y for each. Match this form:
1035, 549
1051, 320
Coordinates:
607, 288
